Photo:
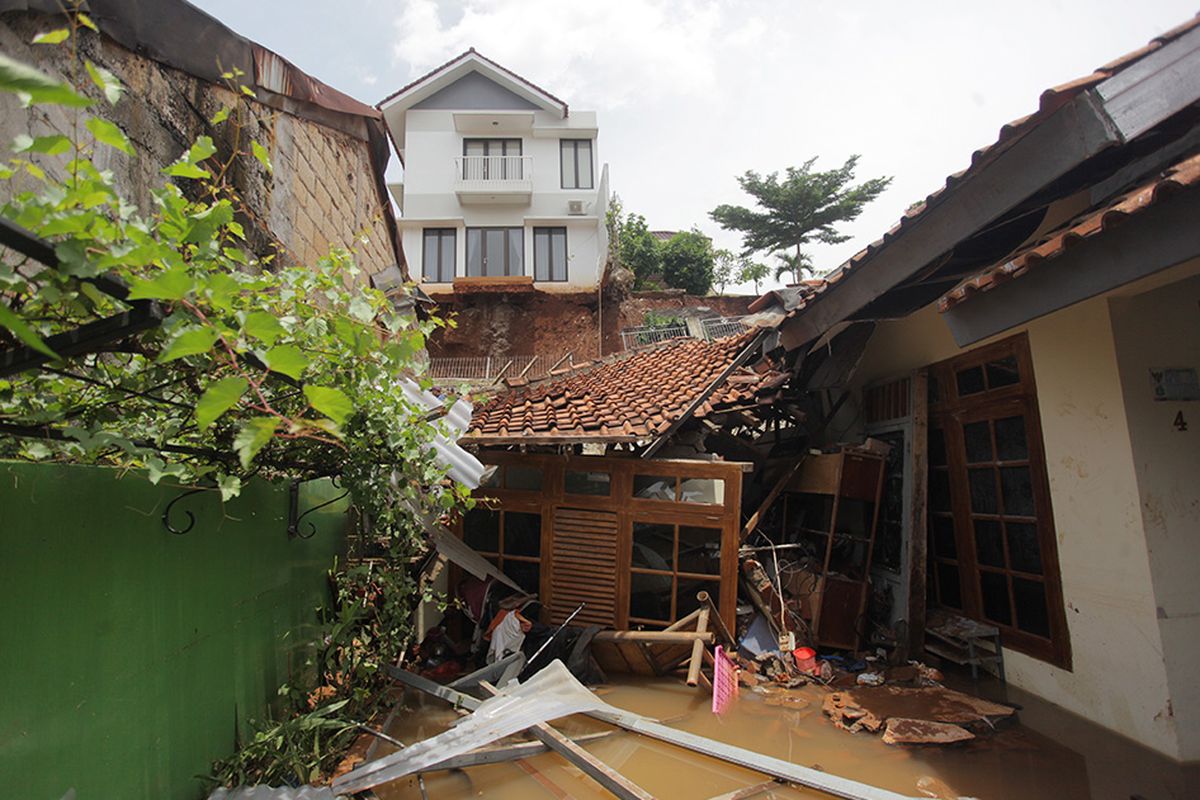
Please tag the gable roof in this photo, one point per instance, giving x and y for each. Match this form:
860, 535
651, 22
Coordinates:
440, 77
633, 396
1051, 101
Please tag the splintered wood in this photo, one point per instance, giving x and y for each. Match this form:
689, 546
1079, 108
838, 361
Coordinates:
926, 715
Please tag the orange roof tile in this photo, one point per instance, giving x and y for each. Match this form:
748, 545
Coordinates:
1091, 223
633, 396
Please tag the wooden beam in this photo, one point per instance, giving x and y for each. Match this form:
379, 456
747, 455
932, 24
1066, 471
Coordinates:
594, 768
697, 659
655, 637
918, 522
771, 497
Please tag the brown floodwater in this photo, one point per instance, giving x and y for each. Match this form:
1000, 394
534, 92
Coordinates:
1046, 754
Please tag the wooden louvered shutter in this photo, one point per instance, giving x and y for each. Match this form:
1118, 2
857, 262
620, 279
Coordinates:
585, 566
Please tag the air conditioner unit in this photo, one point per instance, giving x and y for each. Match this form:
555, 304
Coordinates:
575, 208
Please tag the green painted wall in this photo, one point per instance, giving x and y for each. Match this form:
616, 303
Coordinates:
128, 655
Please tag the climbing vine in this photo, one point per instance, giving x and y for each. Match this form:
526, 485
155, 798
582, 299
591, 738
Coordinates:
210, 362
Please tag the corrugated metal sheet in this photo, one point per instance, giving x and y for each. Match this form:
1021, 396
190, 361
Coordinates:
274, 793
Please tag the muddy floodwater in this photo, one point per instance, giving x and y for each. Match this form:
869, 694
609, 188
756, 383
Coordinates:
1046, 753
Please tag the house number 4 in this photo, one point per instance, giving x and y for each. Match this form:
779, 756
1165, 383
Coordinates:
1180, 423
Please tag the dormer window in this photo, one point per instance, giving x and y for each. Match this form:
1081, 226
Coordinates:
576, 163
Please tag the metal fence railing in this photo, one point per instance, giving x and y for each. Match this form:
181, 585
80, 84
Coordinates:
492, 368
633, 338
720, 327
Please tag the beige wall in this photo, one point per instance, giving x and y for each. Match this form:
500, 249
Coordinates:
322, 189
1161, 328
1118, 678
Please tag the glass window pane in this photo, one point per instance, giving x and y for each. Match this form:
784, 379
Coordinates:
558, 255
525, 478
492, 481
429, 257
516, 251
970, 381
568, 164
1003, 372
481, 530
526, 574
700, 550
654, 487
448, 255
541, 254
494, 251
583, 158
937, 447
939, 490
935, 390
994, 586
949, 591
1011, 444
983, 490
942, 526
977, 436
653, 546
650, 596
596, 483
1030, 598
522, 534
685, 595
474, 252
702, 490
1024, 549
1017, 485
988, 546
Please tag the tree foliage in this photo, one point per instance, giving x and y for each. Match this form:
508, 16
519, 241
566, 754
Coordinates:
754, 273
639, 251
687, 262
804, 207
257, 368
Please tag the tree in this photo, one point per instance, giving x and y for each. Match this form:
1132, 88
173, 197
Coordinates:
687, 262
798, 267
753, 272
638, 249
803, 208
726, 267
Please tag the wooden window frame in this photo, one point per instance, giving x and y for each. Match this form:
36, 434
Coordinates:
573, 145
950, 412
549, 232
440, 272
500, 556
483, 256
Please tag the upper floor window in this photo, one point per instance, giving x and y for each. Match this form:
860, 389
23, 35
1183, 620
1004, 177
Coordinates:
492, 160
549, 254
576, 163
437, 255
495, 251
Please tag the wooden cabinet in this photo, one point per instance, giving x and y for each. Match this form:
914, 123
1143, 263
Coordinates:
831, 509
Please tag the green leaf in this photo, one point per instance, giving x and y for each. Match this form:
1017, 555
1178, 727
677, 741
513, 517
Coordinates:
252, 437
109, 134
230, 486
201, 149
86, 21
287, 360
219, 397
108, 83
50, 145
53, 37
10, 320
331, 402
186, 165
246, 90
193, 341
264, 327
182, 169
35, 86
220, 116
171, 284
262, 155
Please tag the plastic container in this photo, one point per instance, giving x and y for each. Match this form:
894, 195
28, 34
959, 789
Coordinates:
806, 660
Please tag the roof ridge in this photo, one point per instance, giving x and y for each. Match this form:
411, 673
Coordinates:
463, 55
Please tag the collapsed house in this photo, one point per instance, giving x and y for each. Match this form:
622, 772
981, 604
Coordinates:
970, 440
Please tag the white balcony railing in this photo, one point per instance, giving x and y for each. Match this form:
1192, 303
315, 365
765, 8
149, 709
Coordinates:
494, 170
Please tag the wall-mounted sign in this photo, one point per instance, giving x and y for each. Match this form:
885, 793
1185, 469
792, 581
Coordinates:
1175, 383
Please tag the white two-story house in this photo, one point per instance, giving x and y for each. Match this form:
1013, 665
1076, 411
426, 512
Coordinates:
502, 187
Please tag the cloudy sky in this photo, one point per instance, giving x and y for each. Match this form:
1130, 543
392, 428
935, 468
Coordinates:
691, 93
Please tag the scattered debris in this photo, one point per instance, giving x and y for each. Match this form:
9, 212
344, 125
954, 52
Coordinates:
901, 730
869, 708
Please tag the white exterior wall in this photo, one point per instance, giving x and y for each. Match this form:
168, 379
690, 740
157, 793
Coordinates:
431, 145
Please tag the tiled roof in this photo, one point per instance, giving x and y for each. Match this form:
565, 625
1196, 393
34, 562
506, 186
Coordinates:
633, 396
1051, 100
1091, 223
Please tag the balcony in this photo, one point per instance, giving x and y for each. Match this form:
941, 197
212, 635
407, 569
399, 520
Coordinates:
493, 179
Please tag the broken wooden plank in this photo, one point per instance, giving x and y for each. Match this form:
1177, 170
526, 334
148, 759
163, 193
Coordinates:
507, 752
693, 675
591, 766
902, 730
747, 792
655, 637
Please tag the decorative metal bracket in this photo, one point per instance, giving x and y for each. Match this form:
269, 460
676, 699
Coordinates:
191, 518
294, 515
